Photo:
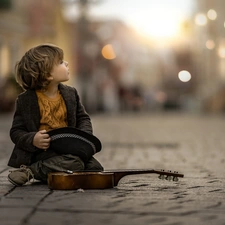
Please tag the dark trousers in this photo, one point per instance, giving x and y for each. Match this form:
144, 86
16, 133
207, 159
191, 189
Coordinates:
61, 163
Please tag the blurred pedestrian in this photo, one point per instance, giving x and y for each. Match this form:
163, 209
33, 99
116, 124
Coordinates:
44, 105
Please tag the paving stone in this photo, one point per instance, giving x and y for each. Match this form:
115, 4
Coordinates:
191, 144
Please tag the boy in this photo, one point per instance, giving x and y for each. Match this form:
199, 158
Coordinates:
45, 104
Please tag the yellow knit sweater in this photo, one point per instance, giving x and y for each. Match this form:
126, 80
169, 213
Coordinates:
52, 110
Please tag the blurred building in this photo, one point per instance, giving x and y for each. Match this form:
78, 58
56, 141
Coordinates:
120, 71
113, 67
209, 21
24, 24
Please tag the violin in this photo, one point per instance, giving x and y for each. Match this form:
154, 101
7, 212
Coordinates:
69, 180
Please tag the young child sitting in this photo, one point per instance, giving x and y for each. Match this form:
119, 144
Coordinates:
45, 104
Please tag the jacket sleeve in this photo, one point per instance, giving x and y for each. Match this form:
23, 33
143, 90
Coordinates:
83, 121
19, 134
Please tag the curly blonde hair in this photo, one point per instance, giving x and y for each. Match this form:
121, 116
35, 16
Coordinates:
33, 70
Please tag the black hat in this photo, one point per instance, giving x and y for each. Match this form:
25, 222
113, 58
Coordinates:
70, 140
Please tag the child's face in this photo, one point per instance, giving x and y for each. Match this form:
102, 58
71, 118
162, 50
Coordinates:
60, 72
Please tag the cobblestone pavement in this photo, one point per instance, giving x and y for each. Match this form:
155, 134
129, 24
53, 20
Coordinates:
192, 144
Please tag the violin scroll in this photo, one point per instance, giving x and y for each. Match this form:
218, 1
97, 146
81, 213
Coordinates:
169, 175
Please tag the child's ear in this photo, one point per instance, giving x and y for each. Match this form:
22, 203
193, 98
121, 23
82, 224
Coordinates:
50, 78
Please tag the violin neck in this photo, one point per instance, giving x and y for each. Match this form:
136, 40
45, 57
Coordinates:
118, 174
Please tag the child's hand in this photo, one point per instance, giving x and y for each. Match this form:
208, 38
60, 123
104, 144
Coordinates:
41, 140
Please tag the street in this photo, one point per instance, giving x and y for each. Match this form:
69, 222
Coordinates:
192, 144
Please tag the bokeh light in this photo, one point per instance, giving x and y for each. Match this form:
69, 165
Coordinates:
184, 76
210, 44
108, 52
201, 19
212, 14
221, 52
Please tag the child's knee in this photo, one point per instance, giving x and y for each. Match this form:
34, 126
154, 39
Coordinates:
93, 165
73, 163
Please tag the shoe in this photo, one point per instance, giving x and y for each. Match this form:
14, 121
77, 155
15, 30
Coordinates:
21, 176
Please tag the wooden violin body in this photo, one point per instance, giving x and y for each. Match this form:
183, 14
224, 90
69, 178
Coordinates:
99, 180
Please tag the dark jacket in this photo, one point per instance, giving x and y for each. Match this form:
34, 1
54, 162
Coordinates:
26, 122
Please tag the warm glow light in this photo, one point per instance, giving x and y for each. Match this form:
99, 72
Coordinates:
221, 52
200, 19
108, 52
184, 76
5, 56
160, 23
212, 15
210, 44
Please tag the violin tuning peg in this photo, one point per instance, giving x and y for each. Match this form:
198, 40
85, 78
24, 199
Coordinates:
169, 178
162, 177
175, 179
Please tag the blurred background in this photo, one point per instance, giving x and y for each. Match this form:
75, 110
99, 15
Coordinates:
124, 55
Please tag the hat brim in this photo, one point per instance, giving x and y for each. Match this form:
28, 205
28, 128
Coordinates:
70, 140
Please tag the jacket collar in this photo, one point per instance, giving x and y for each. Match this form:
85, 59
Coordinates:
31, 108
